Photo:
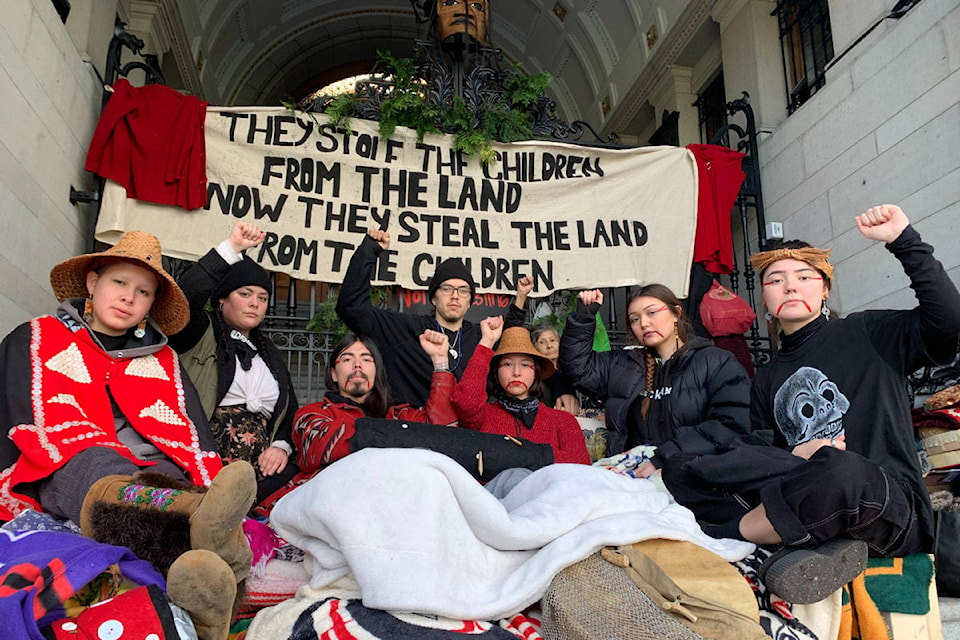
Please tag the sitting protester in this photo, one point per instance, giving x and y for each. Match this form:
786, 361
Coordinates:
357, 384
678, 392
243, 382
500, 393
847, 481
558, 391
93, 398
451, 292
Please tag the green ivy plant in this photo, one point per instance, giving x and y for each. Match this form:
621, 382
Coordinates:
326, 321
499, 118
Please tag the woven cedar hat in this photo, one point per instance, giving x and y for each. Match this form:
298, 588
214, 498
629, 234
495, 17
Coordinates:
170, 309
517, 340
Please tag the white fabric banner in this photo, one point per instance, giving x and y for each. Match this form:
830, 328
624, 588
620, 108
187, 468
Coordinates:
572, 217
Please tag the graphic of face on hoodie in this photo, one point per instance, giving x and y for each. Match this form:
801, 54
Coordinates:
808, 406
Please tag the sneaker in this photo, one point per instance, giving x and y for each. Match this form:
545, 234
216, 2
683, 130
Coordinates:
805, 576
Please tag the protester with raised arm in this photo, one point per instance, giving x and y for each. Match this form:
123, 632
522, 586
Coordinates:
241, 376
451, 291
357, 386
500, 393
677, 391
848, 481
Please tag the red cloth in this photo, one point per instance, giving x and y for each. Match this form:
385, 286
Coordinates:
73, 382
559, 429
720, 176
322, 430
151, 140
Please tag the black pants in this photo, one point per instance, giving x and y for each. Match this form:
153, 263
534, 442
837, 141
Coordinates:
834, 493
62, 493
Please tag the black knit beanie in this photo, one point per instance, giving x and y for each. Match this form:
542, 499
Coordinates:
447, 270
241, 274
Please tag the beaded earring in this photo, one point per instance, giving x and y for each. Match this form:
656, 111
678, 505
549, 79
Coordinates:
767, 316
825, 310
141, 329
88, 310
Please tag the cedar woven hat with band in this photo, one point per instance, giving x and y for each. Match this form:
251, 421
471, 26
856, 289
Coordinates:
170, 309
517, 340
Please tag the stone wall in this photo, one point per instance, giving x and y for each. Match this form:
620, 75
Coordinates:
49, 107
884, 129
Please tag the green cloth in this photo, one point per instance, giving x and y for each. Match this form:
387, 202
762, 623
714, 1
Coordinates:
900, 585
601, 341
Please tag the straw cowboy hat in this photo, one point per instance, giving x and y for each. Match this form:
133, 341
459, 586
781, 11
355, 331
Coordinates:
517, 340
170, 309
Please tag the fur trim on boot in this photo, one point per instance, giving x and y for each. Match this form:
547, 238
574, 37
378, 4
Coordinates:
158, 537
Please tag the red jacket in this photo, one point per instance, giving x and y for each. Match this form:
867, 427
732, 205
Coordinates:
151, 140
73, 385
557, 428
322, 430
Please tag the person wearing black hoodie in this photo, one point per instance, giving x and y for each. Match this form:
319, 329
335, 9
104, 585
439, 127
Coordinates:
847, 481
676, 391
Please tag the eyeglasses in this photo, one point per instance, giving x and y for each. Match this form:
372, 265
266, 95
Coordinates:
448, 289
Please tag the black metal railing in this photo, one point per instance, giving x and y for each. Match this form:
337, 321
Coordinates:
749, 216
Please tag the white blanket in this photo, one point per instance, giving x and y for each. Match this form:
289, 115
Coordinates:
421, 535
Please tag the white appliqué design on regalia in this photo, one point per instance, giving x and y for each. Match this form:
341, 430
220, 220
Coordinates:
160, 412
146, 367
69, 362
70, 399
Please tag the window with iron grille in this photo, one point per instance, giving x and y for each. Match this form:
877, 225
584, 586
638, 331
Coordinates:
807, 46
712, 110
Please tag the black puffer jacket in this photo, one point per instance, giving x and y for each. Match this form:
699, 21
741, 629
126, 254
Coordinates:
701, 400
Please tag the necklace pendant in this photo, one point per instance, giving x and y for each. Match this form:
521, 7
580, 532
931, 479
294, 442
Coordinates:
453, 353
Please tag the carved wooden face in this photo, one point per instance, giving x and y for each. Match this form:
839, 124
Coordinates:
469, 17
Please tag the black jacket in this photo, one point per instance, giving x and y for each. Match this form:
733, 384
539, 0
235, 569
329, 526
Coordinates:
209, 356
701, 400
398, 334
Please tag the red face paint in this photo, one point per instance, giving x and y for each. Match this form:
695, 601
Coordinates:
804, 302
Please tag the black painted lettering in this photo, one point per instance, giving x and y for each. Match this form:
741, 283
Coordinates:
308, 214
387, 266
409, 232
233, 117
338, 250
224, 198
419, 262
639, 233
522, 227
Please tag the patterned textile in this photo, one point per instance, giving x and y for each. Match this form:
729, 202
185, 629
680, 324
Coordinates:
279, 582
31, 520
776, 615
626, 463
41, 570
240, 434
889, 585
312, 615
